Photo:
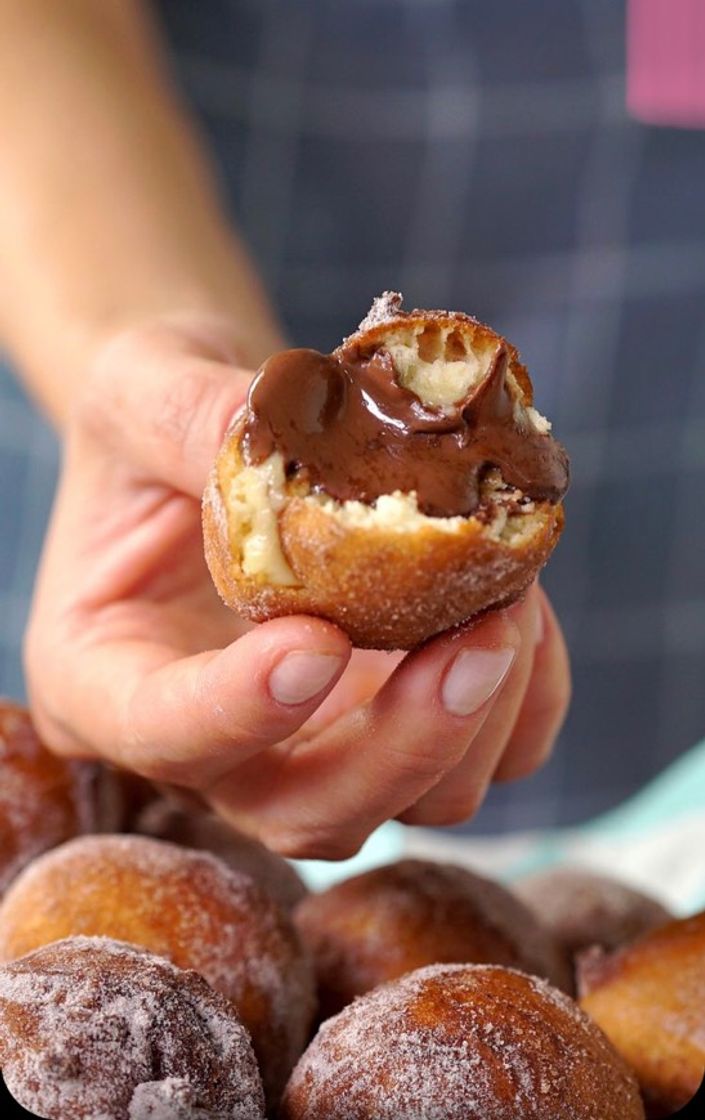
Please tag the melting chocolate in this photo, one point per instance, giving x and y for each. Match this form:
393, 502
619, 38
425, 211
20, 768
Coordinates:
345, 422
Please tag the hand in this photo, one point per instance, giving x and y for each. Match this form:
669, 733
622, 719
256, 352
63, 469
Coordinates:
282, 728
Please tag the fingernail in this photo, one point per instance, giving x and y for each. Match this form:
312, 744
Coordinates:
473, 677
539, 624
300, 676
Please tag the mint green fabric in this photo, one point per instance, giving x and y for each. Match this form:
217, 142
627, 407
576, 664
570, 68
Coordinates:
656, 839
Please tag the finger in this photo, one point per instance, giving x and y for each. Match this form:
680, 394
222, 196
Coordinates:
545, 704
188, 721
322, 797
458, 796
163, 399
364, 677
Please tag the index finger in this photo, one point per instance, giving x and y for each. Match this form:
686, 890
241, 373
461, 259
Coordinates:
322, 797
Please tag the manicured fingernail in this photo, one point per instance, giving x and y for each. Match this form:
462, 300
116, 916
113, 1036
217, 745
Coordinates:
300, 676
539, 624
473, 677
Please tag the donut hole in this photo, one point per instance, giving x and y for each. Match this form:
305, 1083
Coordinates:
648, 998
584, 909
182, 904
462, 1042
383, 923
92, 1027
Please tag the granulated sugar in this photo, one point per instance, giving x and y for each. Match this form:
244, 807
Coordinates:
184, 905
459, 1042
90, 1027
585, 909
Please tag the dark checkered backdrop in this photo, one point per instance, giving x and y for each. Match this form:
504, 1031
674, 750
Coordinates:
476, 154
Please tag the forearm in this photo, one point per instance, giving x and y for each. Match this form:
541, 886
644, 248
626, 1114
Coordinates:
108, 213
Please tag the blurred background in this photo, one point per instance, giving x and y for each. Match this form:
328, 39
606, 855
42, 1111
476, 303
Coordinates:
479, 155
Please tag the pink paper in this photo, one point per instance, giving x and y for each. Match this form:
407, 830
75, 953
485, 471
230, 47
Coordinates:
666, 61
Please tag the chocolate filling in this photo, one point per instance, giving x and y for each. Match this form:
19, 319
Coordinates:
344, 423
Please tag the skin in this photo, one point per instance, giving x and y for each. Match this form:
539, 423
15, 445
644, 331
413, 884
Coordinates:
136, 319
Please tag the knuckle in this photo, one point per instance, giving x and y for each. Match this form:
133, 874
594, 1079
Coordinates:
524, 759
449, 811
515, 769
321, 842
101, 402
425, 762
183, 402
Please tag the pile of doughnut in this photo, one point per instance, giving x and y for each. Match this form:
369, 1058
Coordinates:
155, 964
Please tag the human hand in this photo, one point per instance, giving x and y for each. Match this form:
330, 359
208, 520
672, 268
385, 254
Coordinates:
281, 727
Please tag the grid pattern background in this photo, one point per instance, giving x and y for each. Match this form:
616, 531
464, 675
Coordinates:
478, 155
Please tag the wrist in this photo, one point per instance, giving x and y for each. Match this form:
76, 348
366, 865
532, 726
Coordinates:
204, 284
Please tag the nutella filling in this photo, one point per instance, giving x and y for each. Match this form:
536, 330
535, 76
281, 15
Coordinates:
344, 424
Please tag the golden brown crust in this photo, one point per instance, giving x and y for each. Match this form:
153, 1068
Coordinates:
386, 589
583, 909
383, 923
462, 1042
386, 314
44, 800
183, 905
163, 820
649, 999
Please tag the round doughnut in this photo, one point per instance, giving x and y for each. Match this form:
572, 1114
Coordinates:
584, 909
461, 1042
204, 831
184, 905
649, 999
279, 541
44, 799
378, 925
91, 1027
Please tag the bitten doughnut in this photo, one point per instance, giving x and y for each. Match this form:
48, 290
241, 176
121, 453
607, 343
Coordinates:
396, 487
184, 905
584, 909
94, 1028
461, 1042
388, 921
206, 832
44, 800
649, 999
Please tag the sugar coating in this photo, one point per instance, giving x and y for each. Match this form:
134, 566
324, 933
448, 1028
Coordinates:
207, 832
384, 307
585, 909
461, 1042
188, 906
94, 1029
256, 494
649, 999
170, 1099
381, 924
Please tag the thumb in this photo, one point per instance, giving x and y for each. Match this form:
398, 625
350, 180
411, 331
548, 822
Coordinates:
161, 398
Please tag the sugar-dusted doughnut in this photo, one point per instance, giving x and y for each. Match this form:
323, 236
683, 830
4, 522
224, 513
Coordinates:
91, 1027
649, 999
44, 800
385, 922
462, 1042
204, 831
412, 451
184, 905
584, 909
